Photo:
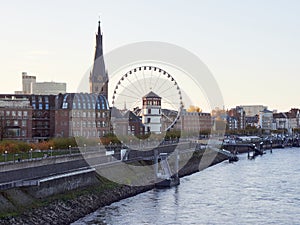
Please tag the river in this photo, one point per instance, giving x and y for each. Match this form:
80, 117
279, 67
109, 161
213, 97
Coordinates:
261, 191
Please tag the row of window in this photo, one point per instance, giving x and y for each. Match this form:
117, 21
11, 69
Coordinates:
14, 113
89, 124
89, 133
89, 114
40, 106
22, 123
152, 102
15, 132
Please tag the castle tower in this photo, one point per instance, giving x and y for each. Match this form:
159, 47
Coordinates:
151, 113
98, 76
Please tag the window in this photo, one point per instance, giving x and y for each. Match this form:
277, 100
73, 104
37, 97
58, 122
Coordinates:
47, 106
24, 133
148, 120
40, 106
25, 114
13, 113
149, 111
16, 122
19, 113
7, 113
24, 123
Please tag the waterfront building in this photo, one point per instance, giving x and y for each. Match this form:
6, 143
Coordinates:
15, 119
195, 122
287, 120
252, 121
252, 110
151, 113
266, 120
236, 118
126, 122
81, 115
98, 76
41, 119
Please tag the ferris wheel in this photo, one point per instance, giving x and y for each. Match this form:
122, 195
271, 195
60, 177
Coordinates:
141, 80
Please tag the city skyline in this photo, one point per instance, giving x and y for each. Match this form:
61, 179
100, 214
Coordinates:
251, 48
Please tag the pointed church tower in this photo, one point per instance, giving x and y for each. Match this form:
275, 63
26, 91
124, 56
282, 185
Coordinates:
98, 76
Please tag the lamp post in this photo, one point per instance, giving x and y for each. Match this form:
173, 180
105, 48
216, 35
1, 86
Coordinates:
99, 146
84, 148
51, 150
5, 156
70, 149
31, 154
109, 146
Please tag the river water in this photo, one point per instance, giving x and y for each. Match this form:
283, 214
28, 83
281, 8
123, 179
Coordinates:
261, 191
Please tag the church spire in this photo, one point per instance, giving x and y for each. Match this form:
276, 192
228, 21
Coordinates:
99, 27
98, 76
99, 44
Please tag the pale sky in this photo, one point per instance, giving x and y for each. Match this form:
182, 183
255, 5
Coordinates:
251, 47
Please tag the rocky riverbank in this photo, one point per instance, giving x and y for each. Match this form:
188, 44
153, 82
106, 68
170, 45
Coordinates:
68, 207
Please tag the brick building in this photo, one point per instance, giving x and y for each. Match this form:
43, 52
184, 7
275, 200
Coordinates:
15, 119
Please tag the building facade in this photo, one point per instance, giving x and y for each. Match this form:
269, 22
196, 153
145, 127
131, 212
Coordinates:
15, 119
236, 118
266, 120
195, 121
49, 88
287, 120
81, 115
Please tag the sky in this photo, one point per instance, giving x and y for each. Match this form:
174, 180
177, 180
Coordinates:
252, 48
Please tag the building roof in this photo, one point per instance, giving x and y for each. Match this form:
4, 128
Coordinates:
81, 101
266, 111
151, 94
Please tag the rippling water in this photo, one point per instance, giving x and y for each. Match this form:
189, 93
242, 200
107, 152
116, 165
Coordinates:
261, 191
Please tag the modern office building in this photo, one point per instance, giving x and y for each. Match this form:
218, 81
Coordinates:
30, 86
49, 88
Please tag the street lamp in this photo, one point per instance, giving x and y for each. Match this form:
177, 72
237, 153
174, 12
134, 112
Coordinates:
109, 146
5, 156
84, 148
31, 154
99, 146
70, 149
51, 150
